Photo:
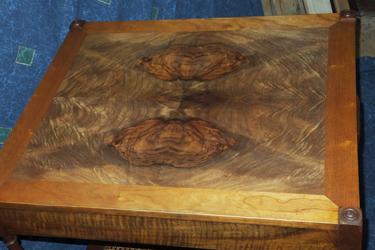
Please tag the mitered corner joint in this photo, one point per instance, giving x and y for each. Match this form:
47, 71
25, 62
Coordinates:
350, 216
348, 15
77, 24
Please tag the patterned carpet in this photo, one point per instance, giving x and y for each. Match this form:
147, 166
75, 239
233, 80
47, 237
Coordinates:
366, 76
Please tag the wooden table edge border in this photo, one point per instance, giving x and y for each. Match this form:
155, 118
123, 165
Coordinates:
341, 165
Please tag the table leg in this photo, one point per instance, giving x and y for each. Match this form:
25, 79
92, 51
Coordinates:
9, 240
12, 242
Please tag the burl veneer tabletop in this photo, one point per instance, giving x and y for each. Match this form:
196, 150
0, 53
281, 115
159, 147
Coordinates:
225, 117
221, 109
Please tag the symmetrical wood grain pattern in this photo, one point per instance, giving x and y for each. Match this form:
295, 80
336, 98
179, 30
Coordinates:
204, 62
251, 128
177, 143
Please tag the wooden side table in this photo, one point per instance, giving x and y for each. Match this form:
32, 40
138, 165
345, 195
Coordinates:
234, 133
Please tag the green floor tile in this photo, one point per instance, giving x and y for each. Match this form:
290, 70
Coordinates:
154, 13
108, 2
4, 132
25, 56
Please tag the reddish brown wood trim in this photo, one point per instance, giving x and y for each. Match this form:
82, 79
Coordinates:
214, 24
39, 103
341, 166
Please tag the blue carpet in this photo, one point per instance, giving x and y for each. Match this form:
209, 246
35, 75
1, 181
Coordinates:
366, 76
40, 26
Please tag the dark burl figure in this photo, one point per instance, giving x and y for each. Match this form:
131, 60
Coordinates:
178, 143
235, 110
192, 62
